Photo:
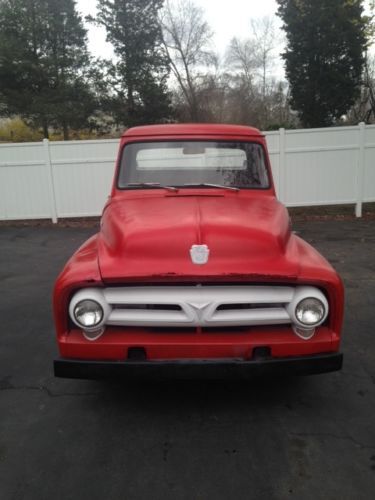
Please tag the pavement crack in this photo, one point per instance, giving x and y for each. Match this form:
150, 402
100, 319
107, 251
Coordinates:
344, 437
5, 385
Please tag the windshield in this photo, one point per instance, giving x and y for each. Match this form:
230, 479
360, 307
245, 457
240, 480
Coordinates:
184, 163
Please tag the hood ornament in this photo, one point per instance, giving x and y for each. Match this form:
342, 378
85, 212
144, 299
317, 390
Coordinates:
199, 254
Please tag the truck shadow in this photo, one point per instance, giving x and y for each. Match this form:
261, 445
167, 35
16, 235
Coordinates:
199, 394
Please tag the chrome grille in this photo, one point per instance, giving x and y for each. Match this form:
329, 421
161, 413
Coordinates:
203, 306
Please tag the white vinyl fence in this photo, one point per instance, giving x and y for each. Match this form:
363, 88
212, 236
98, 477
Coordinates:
326, 166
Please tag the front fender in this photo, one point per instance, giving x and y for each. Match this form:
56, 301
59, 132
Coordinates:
81, 270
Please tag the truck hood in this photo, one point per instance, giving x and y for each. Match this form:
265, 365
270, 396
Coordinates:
150, 237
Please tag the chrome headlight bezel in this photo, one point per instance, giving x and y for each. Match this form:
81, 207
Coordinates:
314, 303
96, 309
93, 296
301, 294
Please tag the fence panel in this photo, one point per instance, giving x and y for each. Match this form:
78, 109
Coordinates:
24, 182
321, 178
82, 176
369, 167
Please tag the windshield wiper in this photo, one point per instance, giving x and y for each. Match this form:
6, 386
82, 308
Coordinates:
151, 185
206, 184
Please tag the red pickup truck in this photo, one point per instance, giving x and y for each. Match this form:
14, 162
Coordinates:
195, 270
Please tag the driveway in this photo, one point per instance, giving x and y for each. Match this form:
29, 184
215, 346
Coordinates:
301, 438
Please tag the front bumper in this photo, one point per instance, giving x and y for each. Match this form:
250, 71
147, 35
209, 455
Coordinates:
198, 369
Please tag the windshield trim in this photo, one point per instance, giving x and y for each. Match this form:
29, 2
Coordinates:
201, 139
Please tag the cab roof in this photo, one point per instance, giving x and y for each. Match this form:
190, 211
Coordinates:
192, 129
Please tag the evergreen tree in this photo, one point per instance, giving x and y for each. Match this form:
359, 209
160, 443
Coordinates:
139, 77
44, 63
324, 57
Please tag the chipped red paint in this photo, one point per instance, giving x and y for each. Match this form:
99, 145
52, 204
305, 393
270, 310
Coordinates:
146, 236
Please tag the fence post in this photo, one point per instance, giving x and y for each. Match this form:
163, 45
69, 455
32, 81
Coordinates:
360, 168
52, 196
282, 166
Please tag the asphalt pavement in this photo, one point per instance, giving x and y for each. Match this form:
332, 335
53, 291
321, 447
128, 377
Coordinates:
296, 438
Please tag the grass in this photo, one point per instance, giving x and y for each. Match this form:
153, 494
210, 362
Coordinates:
332, 212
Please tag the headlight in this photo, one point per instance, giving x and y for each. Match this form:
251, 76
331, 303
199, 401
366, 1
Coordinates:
310, 311
88, 313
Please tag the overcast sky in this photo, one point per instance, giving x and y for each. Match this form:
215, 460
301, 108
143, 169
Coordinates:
227, 19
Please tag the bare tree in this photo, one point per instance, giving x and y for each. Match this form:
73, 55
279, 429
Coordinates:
265, 42
254, 57
364, 108
250, 62
241, 57
187, 40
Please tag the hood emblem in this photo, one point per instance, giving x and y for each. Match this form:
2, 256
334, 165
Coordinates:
199, 254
